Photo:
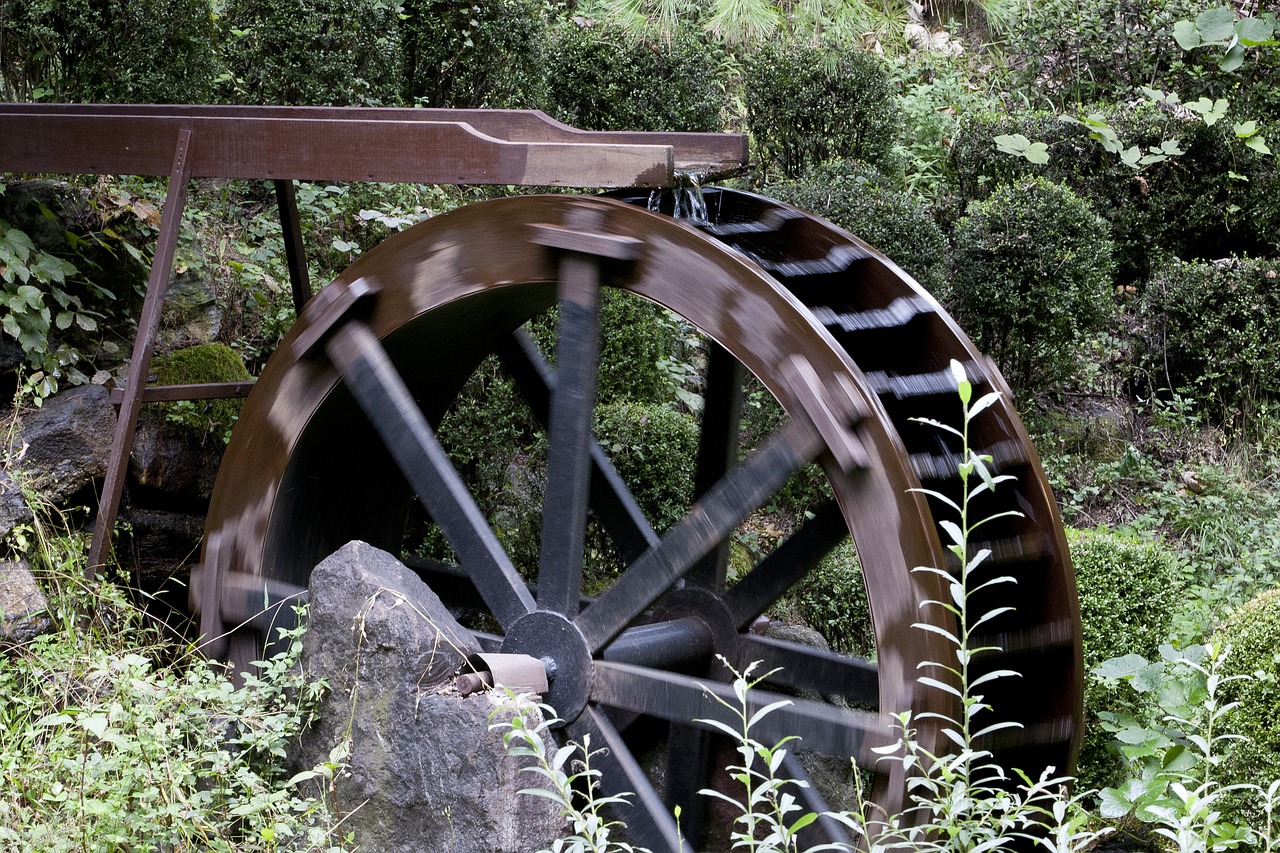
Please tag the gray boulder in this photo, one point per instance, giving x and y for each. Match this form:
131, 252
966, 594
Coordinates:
424, 771
66, 443
13, 506
23, 607
173, 461
192, 310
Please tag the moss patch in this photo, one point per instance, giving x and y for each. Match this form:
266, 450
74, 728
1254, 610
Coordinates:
201, 363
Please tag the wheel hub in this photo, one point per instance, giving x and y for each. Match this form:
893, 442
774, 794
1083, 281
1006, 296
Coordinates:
558, 643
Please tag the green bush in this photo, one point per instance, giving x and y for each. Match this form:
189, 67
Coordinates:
654, 448
863, 200
127, 51
1252, 635
638, 342
310, 52
463, 54
1084, 52
1217, 198
1070, 53
1211, 331
1129, 590
1032, 274
602, 77
485, 430
113, 737
832, 599
808, 104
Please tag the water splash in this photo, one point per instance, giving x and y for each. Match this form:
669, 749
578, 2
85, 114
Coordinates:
689, 203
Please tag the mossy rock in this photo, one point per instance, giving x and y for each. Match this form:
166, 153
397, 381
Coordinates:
198, 364
1099, 433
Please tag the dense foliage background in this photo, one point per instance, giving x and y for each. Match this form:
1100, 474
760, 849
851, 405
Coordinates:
1089, 188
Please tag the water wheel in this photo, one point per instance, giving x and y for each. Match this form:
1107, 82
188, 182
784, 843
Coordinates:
338, 436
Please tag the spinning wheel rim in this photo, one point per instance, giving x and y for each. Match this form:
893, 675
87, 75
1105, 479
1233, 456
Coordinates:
483, 260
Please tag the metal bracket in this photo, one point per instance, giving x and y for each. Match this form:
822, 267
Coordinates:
518, 673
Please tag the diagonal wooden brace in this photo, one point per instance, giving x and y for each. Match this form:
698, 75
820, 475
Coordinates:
140, 363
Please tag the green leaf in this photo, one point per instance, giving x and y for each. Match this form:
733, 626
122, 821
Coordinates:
1217, 25
1257, 143
1112, 803
1186, 35
1020, 146
1234, 58
766, 710
1121, 667
95, 724
31, 295
1254, 31
1209, 110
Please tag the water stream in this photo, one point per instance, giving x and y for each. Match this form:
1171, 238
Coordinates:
687, 201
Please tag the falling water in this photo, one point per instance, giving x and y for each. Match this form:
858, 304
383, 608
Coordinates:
689, 203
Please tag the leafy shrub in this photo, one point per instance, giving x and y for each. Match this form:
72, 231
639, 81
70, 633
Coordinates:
485, 429
310, 52
1082, 53
1210, 330
833, 600
35, 304
654, 448
202, 363
463, 54
112, 738
65, 254
638, 342
861, 199
807, 104
1129, 589
1190, 205
1252, 635
1031, 275
935, 93
128, 51
602, 77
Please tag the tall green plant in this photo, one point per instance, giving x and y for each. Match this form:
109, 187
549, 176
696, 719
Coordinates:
1176, 753
964, 802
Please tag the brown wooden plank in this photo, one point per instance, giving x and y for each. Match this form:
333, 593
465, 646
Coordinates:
715, 153
199, 391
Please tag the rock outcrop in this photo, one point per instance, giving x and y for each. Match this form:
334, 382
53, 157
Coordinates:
425, 772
